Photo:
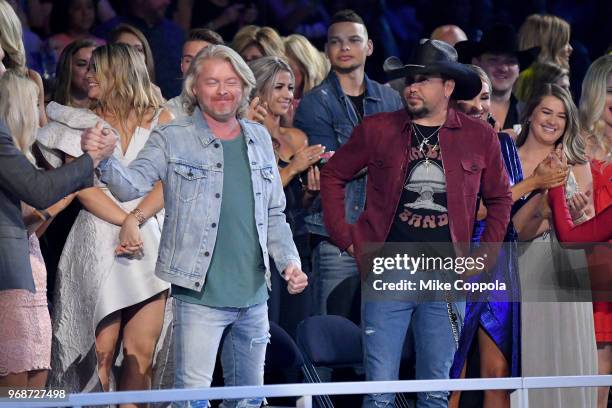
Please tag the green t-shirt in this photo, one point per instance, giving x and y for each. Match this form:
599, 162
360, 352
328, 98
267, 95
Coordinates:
236, 276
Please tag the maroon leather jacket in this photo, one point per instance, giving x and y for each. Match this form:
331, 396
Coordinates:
472, 164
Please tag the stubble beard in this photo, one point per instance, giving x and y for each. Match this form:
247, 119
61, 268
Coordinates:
417, 113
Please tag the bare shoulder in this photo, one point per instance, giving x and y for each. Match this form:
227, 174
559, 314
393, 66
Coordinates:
35, 76
296, 138
165, 116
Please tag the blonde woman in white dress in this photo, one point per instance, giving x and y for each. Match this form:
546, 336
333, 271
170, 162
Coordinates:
107, 303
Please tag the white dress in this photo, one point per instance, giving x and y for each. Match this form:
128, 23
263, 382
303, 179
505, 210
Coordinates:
92, 282
558, 337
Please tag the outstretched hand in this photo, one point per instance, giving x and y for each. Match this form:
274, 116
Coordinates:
98, 142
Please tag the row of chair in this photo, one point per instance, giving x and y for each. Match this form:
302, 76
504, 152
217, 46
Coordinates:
324, 344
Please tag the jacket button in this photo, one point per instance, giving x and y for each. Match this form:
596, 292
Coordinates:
474, 167
197, 284
214, 225
217, 195
217, 145
206, 253
219, 165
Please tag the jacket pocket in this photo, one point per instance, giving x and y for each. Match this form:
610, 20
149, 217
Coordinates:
472, 172
190, 181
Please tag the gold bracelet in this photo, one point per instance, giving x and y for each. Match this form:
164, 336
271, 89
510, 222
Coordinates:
137, 212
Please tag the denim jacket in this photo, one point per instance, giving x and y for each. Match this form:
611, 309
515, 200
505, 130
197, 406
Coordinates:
328, 117
185, 155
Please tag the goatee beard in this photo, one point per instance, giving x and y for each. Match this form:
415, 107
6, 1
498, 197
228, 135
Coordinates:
417, 113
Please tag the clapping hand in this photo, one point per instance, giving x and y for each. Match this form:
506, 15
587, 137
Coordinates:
98, 142
550, 172
296, 279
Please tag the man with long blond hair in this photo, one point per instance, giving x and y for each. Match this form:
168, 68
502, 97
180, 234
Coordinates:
220, 181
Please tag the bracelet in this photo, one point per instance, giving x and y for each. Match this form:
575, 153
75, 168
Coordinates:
580, 219
42, 214
137, 212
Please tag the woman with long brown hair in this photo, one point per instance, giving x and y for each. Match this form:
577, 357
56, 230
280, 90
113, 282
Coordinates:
548, 310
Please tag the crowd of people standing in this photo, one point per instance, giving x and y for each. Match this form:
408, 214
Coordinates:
225, 172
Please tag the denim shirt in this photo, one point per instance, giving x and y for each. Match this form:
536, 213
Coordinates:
328, 117
185, 155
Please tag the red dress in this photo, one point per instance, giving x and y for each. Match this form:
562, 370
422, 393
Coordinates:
597, 229
602, 197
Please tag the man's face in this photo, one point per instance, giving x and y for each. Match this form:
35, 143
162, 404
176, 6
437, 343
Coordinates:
190, 50
426, 93
347, 46
502, 69
218, 89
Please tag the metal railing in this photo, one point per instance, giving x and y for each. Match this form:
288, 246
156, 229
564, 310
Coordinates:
522, 385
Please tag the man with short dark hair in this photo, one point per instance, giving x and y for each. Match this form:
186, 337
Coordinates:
328, 114
197, 40
426, 166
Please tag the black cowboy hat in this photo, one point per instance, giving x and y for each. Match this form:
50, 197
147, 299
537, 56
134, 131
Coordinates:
437, 57
499, 39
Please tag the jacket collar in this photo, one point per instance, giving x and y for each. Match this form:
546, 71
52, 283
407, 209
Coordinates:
371, 92
207, 136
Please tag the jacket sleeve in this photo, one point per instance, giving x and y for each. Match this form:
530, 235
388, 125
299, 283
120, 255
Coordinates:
339, 170
39, 188
314, 119
496, 194
597, 229
137, 179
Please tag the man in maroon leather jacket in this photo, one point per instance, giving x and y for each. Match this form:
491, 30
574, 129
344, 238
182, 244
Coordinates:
427, 164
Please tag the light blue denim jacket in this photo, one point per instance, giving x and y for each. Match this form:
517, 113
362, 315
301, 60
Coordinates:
328, 117
185, 155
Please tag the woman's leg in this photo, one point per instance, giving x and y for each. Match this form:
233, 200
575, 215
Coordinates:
142, 327
493, 364
107, 337
604, 362
37, 378
19, 380
453, 401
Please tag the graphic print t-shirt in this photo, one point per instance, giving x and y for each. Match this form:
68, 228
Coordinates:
422, 214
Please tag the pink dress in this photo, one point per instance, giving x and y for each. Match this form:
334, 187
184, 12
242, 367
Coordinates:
25, 337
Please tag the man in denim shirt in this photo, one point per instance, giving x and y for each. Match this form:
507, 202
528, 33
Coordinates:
224, 212
328, 114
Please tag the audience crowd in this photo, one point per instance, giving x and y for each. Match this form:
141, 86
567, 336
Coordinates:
169, 167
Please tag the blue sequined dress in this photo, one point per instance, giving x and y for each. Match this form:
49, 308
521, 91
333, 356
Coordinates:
493, 311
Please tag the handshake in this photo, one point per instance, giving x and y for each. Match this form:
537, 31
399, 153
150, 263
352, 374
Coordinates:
98, 142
